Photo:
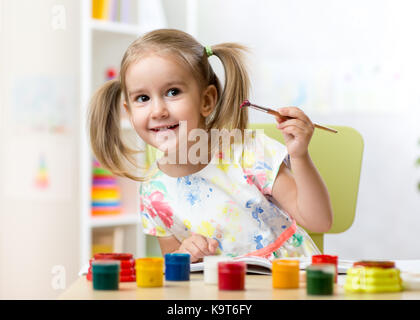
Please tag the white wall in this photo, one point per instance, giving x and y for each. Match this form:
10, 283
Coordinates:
347, 63
39, 228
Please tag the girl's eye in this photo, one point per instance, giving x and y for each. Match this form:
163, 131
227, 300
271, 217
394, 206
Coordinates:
142, 98
173, 92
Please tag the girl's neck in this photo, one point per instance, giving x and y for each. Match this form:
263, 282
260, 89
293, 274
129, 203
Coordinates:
180, 170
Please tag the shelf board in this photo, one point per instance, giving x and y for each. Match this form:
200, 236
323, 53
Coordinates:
117, 220
114, 27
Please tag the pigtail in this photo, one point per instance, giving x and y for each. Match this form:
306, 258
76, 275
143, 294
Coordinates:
104, 128
236, 88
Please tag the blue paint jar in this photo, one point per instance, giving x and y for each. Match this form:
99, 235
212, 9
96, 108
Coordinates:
106, 274
177, 267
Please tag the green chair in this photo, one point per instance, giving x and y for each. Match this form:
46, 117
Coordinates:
338, 158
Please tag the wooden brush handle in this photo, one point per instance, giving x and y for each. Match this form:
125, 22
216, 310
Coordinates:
325, 128
275, 113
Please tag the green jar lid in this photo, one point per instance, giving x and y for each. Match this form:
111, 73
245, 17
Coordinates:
106, 266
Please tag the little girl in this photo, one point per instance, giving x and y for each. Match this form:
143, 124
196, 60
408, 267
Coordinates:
241, 198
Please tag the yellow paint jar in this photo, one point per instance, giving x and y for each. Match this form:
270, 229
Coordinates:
149, 272
373, 280
285, 274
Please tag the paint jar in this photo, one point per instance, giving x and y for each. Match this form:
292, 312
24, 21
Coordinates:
127, 265
211, 272
410, 281
149, 272
320, 279
105, 274
177, 266
373, 280
285, 274
325, 258
231, 275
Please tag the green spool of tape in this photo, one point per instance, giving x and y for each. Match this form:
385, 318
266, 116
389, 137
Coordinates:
320, 279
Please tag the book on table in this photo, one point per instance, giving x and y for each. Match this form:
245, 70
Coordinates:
259, 265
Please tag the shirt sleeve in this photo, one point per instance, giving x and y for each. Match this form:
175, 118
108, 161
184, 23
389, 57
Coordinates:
156, 214
262, 158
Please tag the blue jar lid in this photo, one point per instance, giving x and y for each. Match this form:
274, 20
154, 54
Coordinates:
182, 258
105, 266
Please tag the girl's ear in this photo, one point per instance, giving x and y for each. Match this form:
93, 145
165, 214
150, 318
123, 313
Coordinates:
209, 100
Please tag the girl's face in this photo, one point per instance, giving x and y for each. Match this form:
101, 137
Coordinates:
162, 92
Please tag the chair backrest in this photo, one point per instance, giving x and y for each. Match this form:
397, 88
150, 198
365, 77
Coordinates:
338, 158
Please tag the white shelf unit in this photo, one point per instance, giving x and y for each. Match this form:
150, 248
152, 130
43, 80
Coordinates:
126, 219
103, 44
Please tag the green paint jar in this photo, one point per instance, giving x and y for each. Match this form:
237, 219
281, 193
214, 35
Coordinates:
320, 279
105, 274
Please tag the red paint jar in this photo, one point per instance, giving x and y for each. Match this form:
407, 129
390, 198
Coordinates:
127, 264
326, 259
113, 256
231, 275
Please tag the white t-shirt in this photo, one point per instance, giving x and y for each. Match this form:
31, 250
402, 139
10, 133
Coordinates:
229, 201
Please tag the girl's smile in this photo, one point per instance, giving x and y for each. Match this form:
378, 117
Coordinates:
164, 128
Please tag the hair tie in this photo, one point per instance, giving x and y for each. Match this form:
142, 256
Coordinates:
209, 51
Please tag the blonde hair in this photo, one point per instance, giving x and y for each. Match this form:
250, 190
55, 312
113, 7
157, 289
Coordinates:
104, 110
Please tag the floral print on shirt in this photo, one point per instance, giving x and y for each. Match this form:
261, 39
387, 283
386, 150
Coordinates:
229, 202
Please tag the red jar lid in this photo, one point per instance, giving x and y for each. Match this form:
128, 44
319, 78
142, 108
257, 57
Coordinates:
124, 264
128, 278
232, 266
127, 272
113, 256
128, 263
131, 278
123, 272
375, 264
324, 258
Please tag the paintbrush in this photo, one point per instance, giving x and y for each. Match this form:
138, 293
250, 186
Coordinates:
246, 103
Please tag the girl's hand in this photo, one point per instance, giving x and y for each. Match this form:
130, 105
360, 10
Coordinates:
297, 132
198, 246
